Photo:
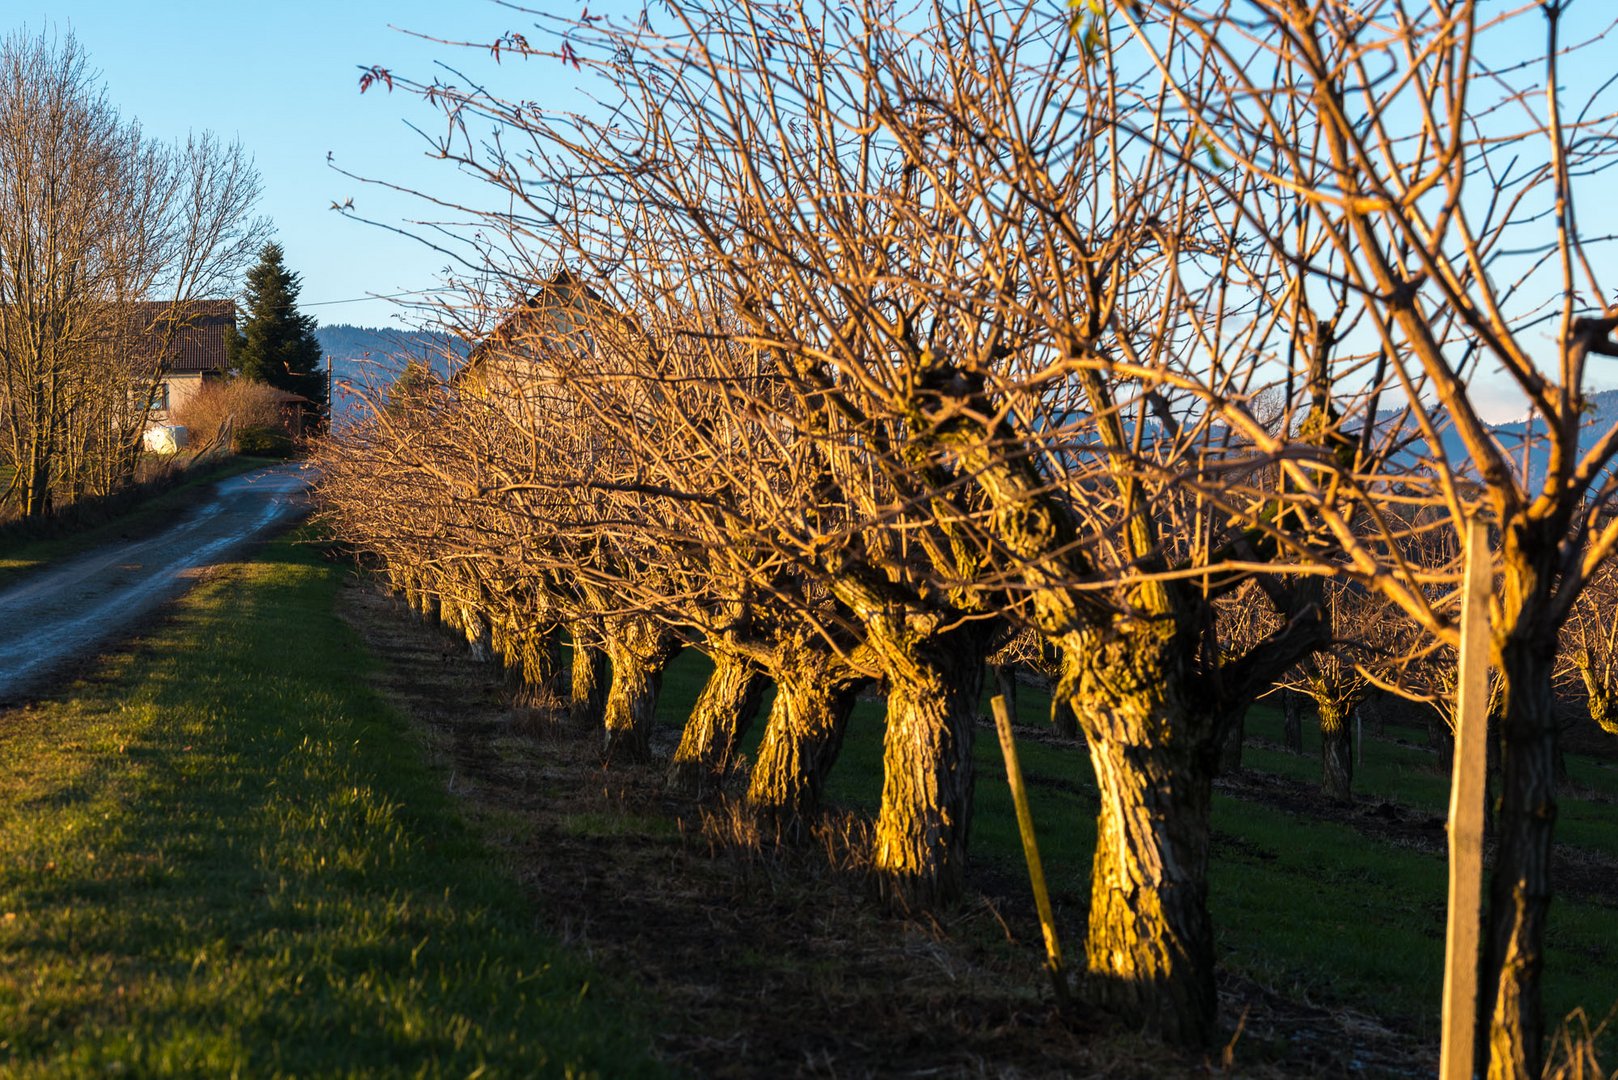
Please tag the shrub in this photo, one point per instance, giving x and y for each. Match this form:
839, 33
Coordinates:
252, 404
263, 441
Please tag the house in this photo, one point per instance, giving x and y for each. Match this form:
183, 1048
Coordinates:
172, 349
564, 320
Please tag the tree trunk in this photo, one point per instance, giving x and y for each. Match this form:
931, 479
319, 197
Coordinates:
719, 721
588, 696
1292, 720
476, 629
426, 605
1005, 681
926, 813
538, 664
802, 737
638, 650
1063, 719
1336, 748
1520, 892
1230, 747
1442, 739
1149, 950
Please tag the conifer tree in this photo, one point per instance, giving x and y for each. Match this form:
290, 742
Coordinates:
276, 343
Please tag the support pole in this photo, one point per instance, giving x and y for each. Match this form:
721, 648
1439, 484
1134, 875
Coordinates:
1025, 825
1466, 795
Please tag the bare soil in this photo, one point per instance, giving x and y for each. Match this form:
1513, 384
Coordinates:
748, 962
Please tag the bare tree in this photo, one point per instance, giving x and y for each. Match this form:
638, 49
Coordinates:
1408, 160
96, 222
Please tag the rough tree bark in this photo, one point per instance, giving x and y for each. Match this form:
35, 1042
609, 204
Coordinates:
638, 649
537, 664
1149, 950
1520, 891
1336, 749
476, 630
588, 680
802, 737
926, 812
723, 713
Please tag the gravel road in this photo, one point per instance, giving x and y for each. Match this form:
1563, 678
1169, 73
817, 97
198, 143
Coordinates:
57, 615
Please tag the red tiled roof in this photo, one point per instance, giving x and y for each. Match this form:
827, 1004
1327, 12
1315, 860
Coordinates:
189, 338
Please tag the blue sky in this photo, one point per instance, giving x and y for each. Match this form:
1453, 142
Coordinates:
283, 78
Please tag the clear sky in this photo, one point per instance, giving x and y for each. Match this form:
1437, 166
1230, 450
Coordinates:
283, 78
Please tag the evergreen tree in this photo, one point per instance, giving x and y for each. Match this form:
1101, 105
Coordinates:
276, 343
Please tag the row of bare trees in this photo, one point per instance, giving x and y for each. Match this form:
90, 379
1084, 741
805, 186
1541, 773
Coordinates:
106, 236
1148, 332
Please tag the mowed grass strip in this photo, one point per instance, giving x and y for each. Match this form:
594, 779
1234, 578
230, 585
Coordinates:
224, 855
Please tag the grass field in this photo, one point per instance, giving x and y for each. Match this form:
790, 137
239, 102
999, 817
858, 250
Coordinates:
1313, 908
222, 855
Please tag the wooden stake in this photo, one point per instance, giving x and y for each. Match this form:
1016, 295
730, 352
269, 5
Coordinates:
1466, 795
1030, 850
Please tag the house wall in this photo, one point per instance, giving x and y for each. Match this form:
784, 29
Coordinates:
182, 388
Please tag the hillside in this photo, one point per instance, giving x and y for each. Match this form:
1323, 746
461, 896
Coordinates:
367, 358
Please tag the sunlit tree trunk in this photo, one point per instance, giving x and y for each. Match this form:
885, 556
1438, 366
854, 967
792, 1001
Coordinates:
475, 627
802, 737
1520, 892
638, 649
1335, 702
1336, 749
719, 721
538, 663
588, 680
1149, 949
926, 812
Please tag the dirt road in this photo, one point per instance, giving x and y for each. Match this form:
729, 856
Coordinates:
57, 615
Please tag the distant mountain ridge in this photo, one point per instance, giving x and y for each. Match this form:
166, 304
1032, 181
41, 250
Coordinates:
368, 358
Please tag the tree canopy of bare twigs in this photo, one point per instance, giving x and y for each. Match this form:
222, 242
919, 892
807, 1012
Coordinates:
884, 336
97, 222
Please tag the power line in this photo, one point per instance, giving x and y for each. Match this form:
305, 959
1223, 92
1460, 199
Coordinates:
362, 299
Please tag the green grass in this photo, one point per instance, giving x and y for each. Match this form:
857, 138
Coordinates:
224, 855
22, 555
1313, 908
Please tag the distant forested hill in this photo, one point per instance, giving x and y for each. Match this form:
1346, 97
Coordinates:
369, 357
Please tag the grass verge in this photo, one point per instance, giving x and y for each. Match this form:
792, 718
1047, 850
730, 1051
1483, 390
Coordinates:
223, 855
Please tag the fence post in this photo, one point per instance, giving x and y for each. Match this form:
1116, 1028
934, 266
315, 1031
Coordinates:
1466, 796
1025, 825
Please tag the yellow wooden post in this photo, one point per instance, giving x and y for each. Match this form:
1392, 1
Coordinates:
1466, 797
1025, 825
